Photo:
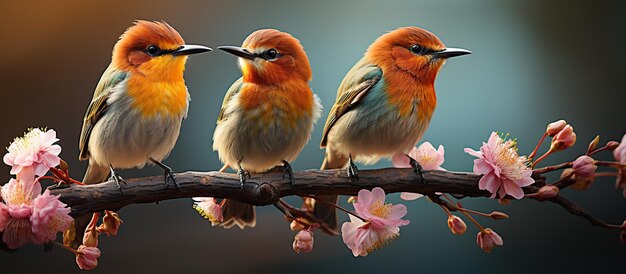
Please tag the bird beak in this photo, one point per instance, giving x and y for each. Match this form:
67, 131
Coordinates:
238, 51
451, 52
190, 49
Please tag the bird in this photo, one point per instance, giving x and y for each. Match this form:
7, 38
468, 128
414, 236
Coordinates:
383, 106
267, 115
138, 106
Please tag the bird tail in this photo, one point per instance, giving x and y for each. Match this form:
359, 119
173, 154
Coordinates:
95, 174
237, 213
326, 213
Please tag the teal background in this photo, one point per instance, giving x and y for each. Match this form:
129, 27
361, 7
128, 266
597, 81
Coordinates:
533, 62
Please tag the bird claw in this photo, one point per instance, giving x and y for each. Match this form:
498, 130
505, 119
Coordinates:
353, 171
242, 176
118, 181
417, 168
287, 170
169, 174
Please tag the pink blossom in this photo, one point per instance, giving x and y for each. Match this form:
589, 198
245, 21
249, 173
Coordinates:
620, 151
487, 239
584, 167
209, 209
427, 156
382, 223
87, 257
303, 241
4, 215
18, 196
456, 225
33, 154
564, 139
555, 127
32, 218
504, 171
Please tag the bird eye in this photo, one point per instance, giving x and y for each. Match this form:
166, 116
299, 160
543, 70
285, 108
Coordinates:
270, 54
153, 50
417, 49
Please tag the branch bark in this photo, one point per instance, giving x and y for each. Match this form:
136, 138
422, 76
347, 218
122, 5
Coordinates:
267, 188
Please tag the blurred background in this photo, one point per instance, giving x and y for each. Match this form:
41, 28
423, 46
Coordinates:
533, 62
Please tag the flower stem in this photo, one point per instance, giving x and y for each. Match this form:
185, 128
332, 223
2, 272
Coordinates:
465, 213
606, 174
66, 247
611, 164
541, 158
532, 155
337, 207
553, 168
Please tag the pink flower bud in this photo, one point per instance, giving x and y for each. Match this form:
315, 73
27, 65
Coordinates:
303, 242
584, 167
555, 127
110, 223
547, 192
87, 257
456, 225
487, 239
566, 138
612, 145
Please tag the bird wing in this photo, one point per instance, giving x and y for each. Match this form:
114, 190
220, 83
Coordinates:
354, 87
234, 89
98, 106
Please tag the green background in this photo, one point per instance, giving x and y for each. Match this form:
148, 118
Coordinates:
533, 62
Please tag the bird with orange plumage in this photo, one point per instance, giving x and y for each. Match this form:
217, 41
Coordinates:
138, 106
384, 105
267, 115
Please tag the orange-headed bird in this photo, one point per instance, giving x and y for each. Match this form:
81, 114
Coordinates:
267, 115
138, 106
384, 104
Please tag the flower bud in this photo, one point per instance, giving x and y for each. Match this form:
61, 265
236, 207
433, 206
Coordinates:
303, 242
593, 144
566, 138
456, 225
87, 257
547, 192
555, 127
612, 145
584, 167
487, 239
110, 223
497, 215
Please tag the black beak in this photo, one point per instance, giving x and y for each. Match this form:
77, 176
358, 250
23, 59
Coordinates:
190, 49
450, 52
238, 51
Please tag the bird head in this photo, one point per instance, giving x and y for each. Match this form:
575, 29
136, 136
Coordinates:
269, 56
153, 49
414, 50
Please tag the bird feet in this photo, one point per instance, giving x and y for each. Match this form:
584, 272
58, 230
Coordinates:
353, 170
169, 173
417, 168
118, 179
242, 176
287, 170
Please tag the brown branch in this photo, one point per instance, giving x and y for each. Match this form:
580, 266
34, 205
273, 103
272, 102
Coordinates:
268, 188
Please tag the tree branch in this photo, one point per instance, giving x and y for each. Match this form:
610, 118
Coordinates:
267, 188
